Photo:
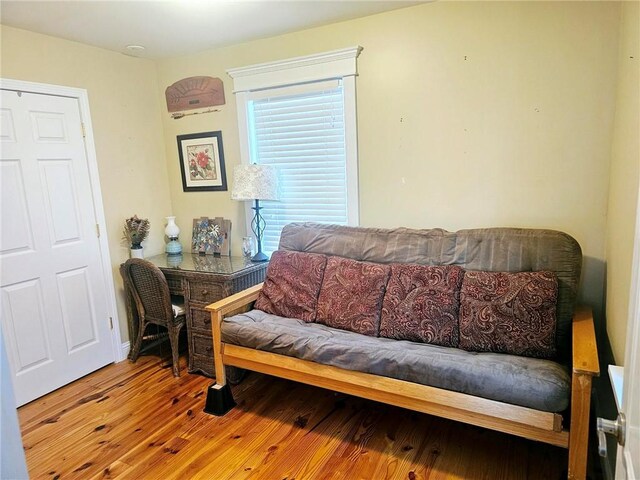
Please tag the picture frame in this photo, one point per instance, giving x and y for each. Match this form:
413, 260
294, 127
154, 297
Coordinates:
211, 236
202, 162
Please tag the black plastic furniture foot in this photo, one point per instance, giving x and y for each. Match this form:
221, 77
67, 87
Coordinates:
219, 400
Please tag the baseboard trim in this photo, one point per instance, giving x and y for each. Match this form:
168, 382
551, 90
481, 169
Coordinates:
126, 346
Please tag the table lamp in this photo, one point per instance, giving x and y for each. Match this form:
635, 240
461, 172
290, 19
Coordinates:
256, 182
172, 231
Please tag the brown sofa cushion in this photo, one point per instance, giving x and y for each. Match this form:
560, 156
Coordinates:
509, 313
482, 249
351, 295
421, 304
292, 285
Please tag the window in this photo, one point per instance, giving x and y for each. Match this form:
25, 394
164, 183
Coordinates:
305, 127
303, 136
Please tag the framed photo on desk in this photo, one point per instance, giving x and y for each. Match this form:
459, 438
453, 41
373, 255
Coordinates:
211, 236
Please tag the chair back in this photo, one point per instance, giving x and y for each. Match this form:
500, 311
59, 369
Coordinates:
150, 291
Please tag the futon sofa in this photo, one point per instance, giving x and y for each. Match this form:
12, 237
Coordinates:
478, 326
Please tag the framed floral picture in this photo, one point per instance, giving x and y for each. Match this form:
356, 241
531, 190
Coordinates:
211, 236
202, 162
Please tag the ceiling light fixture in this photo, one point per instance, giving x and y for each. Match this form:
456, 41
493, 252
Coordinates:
134, 50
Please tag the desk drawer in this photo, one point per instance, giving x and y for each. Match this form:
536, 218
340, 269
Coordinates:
202, 345
205, 292
200, 319
201, 363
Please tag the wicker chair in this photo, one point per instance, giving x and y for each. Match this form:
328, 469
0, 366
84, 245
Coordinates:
150, 292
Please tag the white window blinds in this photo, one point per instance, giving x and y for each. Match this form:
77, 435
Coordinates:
301, 131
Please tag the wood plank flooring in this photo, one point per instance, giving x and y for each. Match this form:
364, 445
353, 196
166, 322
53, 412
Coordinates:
136, 421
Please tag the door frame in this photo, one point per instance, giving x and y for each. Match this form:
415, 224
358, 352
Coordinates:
632, 351
82, 96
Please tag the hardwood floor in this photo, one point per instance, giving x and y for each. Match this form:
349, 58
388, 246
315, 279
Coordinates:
136, 421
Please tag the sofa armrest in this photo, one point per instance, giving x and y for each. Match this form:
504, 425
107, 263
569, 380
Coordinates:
235, 301
585, 351
238, 302
584, 367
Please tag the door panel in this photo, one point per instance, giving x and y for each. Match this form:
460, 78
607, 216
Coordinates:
77, 309
54, 312
60, 200
49, 127
25, 314
7, 132
15, 234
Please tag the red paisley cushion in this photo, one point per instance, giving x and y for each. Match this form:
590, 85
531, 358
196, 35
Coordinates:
421, 304
351, 295
292, 285
509, 313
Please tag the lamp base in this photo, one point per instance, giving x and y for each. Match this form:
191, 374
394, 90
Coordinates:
173, 247
259, 257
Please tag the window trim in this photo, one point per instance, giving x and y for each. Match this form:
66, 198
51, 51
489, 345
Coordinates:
337, 64
293, 71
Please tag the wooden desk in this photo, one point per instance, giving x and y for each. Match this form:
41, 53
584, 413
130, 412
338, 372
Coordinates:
203, 280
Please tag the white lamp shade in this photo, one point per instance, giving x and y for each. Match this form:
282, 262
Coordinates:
255, 182
171, 230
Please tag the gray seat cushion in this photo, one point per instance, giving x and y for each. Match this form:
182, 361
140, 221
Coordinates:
529, 382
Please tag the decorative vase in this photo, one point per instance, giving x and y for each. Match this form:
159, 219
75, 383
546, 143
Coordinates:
172, 231
247, 246
137, 251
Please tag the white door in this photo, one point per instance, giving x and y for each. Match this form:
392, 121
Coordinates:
53, 297
628, 459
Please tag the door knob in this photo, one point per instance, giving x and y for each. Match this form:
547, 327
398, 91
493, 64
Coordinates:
615, 428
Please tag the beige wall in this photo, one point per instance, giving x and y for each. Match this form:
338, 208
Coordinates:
623, 186
469, 115
125, 113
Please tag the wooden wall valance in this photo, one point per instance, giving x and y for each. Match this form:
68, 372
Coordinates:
194, 92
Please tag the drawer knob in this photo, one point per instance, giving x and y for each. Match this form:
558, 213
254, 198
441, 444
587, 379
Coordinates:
205, 291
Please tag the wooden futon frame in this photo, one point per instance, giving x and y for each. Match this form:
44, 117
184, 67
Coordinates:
525, 422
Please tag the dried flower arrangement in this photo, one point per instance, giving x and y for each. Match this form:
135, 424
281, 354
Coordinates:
135, 231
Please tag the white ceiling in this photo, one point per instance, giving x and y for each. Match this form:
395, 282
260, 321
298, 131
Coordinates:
169, 28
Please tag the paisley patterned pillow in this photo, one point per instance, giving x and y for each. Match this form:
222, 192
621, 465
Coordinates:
421, 304
351, 295
292, 285
509, 313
